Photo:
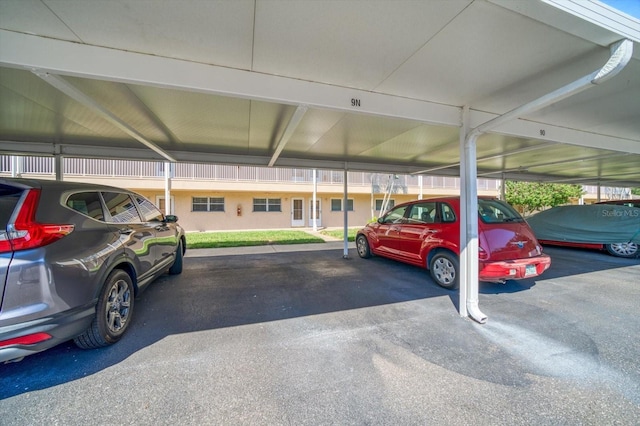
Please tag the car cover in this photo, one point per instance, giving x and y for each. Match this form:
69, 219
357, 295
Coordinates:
596, 223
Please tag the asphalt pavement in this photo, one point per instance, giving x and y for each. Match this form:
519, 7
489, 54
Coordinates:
297, 335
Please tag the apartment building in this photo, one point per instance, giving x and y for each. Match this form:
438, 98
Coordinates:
209, 197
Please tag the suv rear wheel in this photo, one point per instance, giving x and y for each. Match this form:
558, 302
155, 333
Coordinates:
176, 268
113, 312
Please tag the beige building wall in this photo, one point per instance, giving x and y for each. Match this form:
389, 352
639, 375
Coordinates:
242, 194
239, 186
229, 219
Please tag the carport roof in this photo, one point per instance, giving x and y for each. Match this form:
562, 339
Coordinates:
375, 85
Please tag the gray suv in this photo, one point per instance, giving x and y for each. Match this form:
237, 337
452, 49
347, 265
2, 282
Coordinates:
73, 257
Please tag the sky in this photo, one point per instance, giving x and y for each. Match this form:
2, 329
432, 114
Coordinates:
630, 7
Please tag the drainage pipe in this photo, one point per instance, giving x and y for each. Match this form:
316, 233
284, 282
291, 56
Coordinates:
621, 52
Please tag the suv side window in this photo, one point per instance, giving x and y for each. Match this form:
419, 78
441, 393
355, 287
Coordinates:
122, 208
87, 203
150, 213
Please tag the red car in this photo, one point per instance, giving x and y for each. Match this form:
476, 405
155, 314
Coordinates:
426, 233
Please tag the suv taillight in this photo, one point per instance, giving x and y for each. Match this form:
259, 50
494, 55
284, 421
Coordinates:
25, 233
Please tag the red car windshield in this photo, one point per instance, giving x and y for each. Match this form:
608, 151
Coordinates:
495, 211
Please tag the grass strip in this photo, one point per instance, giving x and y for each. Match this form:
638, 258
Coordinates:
247, 238
339, 233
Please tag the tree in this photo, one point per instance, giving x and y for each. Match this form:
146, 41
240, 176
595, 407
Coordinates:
533, 196
635, 191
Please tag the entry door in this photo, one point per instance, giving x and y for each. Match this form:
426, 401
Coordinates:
160, 204
318, 212
297, 212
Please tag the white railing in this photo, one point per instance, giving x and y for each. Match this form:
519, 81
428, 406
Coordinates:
85, 167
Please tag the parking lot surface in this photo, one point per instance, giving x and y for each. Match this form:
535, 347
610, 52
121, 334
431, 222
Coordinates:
289, 336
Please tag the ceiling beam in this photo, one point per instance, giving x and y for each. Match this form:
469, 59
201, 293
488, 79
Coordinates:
74, 93
74, 59
490, 157
528, 129
617, 177
288, 132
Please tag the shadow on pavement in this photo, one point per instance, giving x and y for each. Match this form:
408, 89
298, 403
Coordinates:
229, 291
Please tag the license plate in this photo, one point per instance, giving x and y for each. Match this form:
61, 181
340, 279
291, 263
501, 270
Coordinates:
530, 270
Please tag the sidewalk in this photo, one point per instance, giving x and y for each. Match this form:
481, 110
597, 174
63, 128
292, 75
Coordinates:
269, 248
330, 243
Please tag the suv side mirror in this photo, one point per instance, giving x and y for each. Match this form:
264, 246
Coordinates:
170, 218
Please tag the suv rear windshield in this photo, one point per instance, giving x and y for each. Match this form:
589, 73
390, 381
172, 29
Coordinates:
495, 211
9, 197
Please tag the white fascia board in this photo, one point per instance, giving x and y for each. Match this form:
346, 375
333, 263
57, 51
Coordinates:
73, 59
28, 148
46, 149
545, 132
588, 19
602, 15
8, 147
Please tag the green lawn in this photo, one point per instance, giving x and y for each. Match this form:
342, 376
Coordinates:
339, 233
248, 238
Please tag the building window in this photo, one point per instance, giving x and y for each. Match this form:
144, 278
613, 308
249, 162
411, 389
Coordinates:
207, 204
267, 205
390, 204
336, 204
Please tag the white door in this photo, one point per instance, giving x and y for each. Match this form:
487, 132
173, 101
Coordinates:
297, 212
318, 212
161, 205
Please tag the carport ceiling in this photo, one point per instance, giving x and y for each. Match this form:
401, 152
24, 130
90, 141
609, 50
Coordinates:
366, 85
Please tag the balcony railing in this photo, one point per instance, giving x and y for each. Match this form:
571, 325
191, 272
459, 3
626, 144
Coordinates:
86, 167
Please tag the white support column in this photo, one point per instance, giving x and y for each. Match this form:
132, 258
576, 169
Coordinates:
421, 194
621, 53
345, 252
168, 208
314, 213
58, 165
463, 215
16, 166
469, 282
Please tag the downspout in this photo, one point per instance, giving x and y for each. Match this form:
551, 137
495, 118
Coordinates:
621, 52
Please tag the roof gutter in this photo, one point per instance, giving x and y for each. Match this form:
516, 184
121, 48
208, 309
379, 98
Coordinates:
621, 52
